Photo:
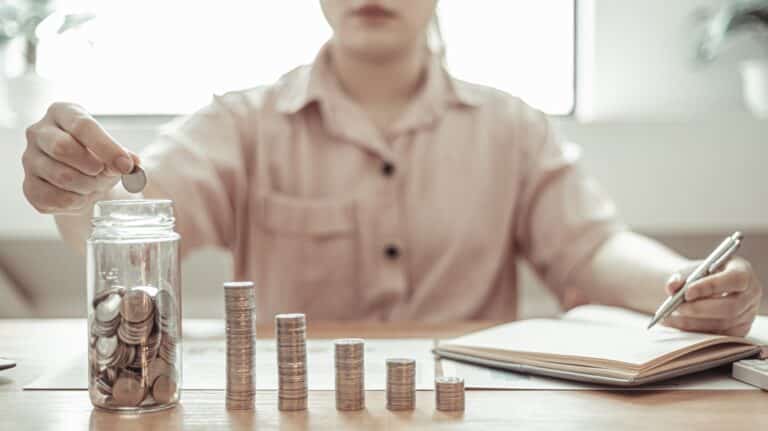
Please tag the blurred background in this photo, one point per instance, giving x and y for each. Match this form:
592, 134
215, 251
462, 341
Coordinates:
669, 100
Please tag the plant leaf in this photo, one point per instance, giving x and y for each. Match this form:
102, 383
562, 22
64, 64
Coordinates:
75, 20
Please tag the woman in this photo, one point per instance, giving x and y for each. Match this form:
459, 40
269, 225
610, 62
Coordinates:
373, 185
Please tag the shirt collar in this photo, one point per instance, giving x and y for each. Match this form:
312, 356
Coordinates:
317, 83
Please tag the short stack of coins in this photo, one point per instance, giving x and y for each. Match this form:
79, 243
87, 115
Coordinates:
401, 384
349, 362
290, 333
134, 334
449, 394
240, 304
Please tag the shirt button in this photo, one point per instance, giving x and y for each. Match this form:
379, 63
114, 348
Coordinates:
392, 252
387, 169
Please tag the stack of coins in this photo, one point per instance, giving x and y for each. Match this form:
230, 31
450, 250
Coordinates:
290, 332
449, 394
240, 302
133, 343
401, 384
350, 374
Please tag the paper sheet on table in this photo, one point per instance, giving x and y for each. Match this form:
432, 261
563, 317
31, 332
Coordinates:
205, 367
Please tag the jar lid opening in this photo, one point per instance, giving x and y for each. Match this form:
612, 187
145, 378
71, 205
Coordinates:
133, 213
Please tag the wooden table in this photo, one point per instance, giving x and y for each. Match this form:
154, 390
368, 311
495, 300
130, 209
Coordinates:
39, 344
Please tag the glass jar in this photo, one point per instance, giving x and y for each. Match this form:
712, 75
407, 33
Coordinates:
134, 306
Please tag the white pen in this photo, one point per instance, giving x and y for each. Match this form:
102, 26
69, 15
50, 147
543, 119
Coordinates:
717, 258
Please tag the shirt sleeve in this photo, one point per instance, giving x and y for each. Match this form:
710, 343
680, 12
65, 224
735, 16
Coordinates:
564, 214
199, 163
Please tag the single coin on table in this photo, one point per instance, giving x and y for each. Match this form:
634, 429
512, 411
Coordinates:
136, 180
6, 363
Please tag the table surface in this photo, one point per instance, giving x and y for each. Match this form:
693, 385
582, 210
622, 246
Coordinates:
38, 345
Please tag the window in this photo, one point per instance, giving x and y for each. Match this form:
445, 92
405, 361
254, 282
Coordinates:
168, 57
524, 47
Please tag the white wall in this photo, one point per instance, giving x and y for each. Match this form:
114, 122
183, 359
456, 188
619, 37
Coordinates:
639, 60
669, 140
685, 176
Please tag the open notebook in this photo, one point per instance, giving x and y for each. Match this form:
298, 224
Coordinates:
599, 344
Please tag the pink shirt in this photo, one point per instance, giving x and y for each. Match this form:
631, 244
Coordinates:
332, 219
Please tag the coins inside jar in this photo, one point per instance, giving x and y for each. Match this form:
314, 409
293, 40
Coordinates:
106, 314
132, 353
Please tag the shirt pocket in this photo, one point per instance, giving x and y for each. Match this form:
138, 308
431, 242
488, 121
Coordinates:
310, 253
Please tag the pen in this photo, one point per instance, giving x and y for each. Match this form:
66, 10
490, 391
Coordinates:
717, 258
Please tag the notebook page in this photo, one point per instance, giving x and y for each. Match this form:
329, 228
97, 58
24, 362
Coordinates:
759, 332
561, 340
616, 316
613, 316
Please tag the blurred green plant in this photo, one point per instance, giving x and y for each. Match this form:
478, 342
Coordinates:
21, 19
733, 17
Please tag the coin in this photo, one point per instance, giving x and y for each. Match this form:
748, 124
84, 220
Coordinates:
167, 349
106, 346
166, 310
290, 335
100, 296
136, 305
103, 387
136, 180
449, 394
401, 384
164, 389
128, 391
240, 311
135, 332
104, 329
156, 368
109, 308
350, 374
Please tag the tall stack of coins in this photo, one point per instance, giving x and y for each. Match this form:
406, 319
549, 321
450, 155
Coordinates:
401, 384
240, 302
290, 332
350, 373
449, 394
133, 342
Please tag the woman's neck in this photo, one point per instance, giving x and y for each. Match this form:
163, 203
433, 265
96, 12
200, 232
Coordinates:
372, 83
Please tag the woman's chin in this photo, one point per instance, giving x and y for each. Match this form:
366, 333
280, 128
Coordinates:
375, 46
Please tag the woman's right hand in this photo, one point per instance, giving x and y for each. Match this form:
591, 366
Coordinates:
70, 161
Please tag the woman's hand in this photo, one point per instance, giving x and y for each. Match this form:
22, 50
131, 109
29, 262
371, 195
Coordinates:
70, 161
723, 303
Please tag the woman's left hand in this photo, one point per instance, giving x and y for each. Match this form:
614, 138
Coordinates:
725, 302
